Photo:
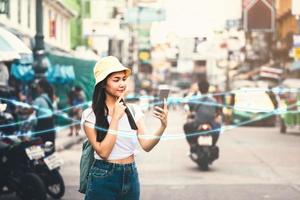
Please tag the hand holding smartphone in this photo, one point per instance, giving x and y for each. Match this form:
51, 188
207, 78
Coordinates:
163, 94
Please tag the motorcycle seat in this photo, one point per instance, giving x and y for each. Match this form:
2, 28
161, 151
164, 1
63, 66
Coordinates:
3, 146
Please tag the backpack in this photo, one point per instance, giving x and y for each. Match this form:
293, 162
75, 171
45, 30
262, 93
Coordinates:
86, 162
205, 110
87, 159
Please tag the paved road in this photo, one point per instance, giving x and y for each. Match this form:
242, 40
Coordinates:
254, 163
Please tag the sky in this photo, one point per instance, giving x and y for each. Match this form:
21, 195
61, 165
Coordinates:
199, 17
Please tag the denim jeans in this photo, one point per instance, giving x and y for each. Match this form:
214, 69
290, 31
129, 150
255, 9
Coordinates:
110, 181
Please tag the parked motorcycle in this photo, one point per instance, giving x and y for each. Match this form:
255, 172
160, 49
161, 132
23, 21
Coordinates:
47, 167
203, 149
15, 174
40, 160
7, 118
36, 157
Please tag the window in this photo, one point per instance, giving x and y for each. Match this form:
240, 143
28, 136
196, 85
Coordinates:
87, 9
62, 31
4, 7
28, 13
19, 11
8, 9
52, 28
52, 25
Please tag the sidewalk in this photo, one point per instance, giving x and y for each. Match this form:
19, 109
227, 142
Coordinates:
63, 141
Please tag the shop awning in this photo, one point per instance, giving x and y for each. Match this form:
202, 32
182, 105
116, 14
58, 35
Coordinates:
83, 71
11, 47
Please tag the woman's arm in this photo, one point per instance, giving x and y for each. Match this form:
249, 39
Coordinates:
146, 141
104, 148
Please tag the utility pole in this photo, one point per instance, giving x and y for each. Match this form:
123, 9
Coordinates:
39, 66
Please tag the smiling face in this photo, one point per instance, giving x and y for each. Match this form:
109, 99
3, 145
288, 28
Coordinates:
116, 84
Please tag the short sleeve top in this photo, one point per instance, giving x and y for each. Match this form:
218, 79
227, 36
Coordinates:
126, 143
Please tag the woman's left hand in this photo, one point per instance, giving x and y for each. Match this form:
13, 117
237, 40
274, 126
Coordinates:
162, 113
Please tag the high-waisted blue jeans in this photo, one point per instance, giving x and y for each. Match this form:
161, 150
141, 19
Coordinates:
110, 181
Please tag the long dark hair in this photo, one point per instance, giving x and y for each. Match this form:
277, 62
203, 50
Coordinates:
47, 88
101, 110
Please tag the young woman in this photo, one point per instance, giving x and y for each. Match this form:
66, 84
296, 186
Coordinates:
111, 132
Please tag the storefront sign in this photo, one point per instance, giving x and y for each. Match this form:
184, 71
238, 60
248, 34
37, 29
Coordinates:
297, 53
144, 15
296, 40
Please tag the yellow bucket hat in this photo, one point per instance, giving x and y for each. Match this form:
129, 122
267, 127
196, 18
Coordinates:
108, 65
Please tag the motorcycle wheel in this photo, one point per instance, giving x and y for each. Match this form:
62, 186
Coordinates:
32, 187
203, 161
282, 126
204, 166
55, 184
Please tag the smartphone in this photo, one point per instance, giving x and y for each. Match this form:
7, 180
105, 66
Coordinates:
162, 94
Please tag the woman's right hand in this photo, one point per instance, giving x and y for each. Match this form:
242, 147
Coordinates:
119, 109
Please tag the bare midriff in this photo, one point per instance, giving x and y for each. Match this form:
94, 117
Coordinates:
127, 160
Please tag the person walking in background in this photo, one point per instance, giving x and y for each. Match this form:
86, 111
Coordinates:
43, 104
114, 129
76, 98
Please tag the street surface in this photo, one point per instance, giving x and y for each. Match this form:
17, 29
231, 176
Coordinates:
254, 163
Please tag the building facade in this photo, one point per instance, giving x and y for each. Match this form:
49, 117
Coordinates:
287, 28
103, 28
286, 22
21, 20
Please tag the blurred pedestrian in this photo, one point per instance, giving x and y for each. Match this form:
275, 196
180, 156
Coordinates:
43, 104
76, 99
219, 97
4, 75
114, 173
189, 97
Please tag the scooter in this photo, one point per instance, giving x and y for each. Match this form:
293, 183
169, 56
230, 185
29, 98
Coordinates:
16, 175
203, 149
47, 167
29, 154
38, 158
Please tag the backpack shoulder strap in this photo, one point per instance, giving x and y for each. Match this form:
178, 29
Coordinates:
48, 102
131, 108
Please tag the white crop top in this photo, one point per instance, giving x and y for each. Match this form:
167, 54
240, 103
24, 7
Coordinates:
126, 143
